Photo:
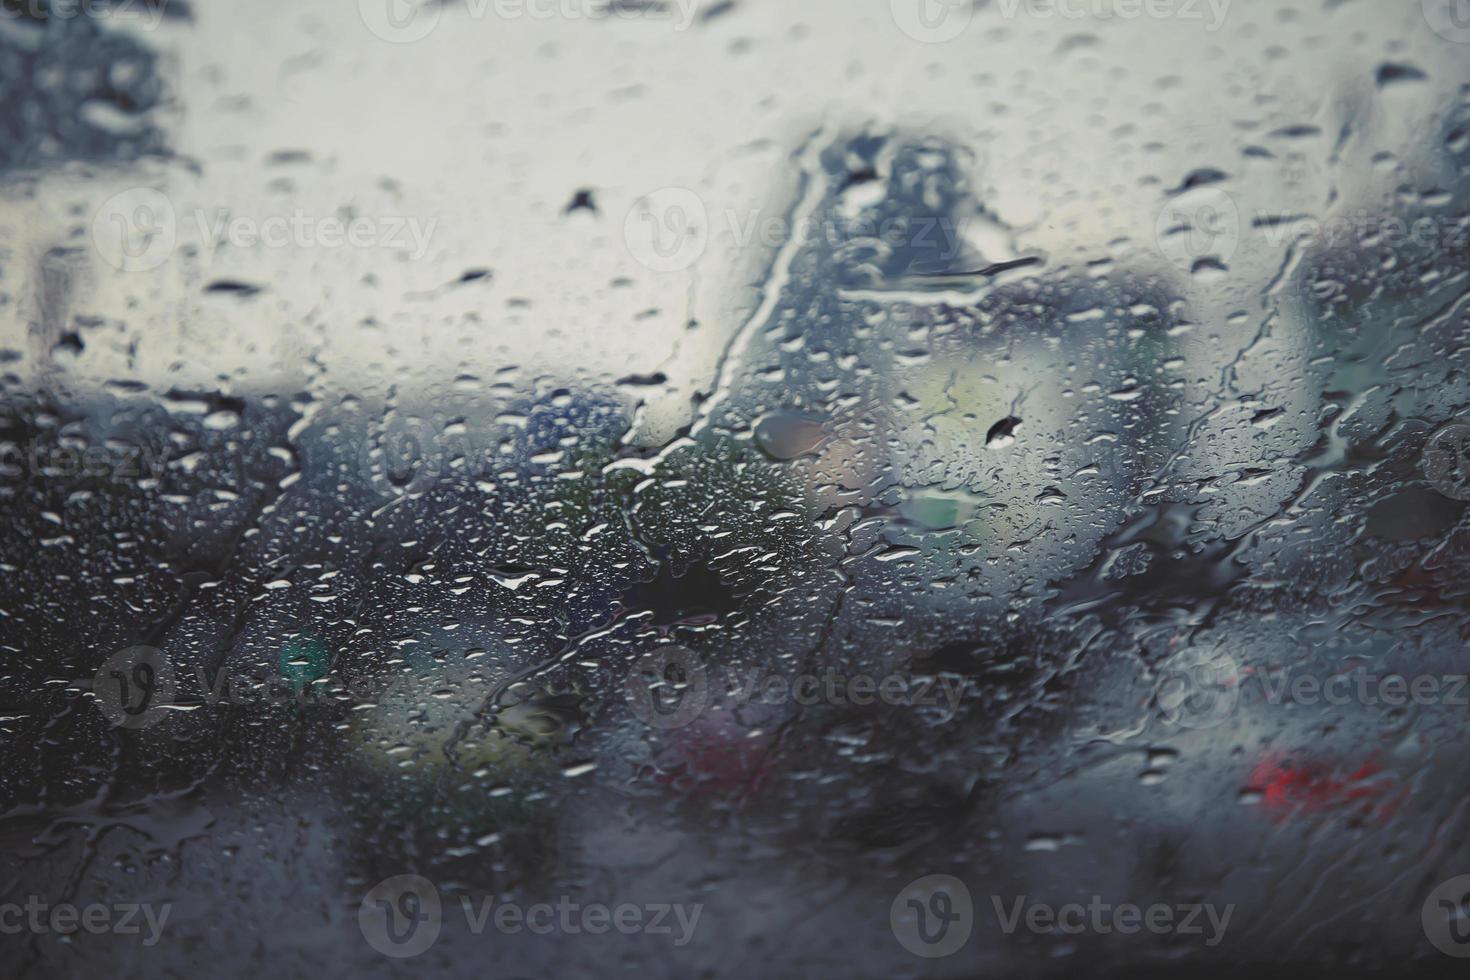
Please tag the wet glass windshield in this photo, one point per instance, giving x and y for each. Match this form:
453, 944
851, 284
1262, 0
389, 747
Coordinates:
892, 488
